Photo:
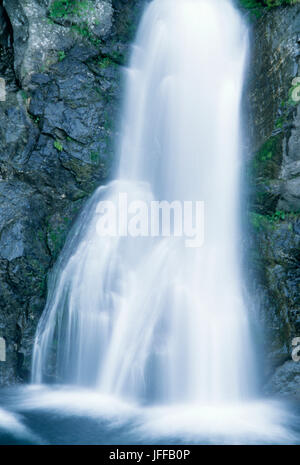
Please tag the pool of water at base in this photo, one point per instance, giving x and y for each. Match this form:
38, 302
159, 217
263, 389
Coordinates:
64, 415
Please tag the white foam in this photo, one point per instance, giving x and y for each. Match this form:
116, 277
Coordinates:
256, 422
12, 424
243, 423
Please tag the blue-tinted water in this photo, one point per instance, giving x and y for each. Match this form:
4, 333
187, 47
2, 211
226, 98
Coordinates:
56, 415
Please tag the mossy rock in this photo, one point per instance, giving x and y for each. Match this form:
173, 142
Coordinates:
258, 4
267, 160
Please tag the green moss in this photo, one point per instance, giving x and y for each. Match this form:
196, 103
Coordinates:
56, 239
36, 119
58, 146
267, 160
94, 157
118, 57
263, 170
68, 9
257, 7
254, 4
105, 62
24, 95
61, 55
279, 122
259, 221
266, 153
60, 9
84, 31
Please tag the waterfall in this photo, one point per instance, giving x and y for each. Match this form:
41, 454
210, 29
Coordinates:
148, 318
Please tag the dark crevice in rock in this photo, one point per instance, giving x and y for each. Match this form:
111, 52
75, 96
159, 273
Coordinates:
6, 50
6, 30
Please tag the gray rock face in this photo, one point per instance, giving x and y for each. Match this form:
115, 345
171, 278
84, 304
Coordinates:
273, 172
290, 170
57, 135
39, 32
286, 380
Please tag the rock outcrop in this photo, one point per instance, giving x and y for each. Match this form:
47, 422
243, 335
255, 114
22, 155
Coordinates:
273, 253
61, 62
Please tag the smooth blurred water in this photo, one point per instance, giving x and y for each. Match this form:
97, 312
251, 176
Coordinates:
148, 318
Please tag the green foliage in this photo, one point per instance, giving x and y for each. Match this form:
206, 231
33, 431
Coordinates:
260, 221
118, 57
256, 7
287, 107
267, 159
36, 119
257, 220
266, 152
279, 122
105, 63
277, 216
61, 9
66, 9
84, 32
61, 55
254, 4
24, 95
249, 4
94, 157
58, 146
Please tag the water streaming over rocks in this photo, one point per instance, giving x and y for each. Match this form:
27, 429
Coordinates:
150, 318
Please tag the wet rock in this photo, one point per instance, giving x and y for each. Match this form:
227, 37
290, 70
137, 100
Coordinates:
286, 381
39, 35
57, 136
273, 176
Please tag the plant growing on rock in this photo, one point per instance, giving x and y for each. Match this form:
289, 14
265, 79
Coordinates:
254, 4
61, 55
58, 146
63, 8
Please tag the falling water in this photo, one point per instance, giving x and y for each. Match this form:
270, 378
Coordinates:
148, 318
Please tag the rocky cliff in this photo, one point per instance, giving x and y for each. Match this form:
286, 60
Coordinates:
61, 67
273, 205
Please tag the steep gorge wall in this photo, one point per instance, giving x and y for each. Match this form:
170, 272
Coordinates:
62, 68
273, 174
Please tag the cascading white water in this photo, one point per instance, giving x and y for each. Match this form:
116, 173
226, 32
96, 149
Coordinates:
148, 318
